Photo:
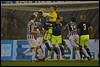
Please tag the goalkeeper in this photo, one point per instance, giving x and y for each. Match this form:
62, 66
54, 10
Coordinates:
52, 19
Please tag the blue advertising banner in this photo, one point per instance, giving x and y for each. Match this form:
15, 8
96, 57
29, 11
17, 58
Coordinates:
13, 49
6, 49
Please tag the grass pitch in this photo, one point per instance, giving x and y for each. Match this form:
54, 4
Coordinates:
51, 63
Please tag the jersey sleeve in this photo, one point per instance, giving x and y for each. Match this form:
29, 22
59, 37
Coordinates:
53, 15
45, 14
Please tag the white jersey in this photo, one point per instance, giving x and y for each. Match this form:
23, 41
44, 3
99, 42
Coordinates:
31, 26
72, 28
32, 38
73, 35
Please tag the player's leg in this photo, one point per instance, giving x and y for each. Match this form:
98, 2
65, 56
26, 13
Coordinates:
45, 41
59, 41
75, 48
39, 50
49, 38
33, 49
46, 38
77, 55
86, 45
81, 46
34, 45
26, 51
54, 43
88, 51
62, 50
82, 43
74, 45
71, 39
29, 38
80, 51
50, 52
77, 52
49, 48
29, 49
39, 54
64, 45
49, 45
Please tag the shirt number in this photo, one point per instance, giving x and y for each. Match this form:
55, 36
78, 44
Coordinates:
84, 25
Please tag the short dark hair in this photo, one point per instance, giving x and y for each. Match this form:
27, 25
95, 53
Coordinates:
33, 16
40, 12
73, 19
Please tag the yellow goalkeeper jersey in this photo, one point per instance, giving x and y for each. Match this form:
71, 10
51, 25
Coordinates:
52, 16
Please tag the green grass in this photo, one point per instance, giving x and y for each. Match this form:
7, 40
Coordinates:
50, 63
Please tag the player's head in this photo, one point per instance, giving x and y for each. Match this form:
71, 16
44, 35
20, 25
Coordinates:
53, 8
40, 13
73, 19
33, 17
83, 17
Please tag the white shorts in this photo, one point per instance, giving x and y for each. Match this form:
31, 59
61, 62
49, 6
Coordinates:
74, 39
40, 40
34, 42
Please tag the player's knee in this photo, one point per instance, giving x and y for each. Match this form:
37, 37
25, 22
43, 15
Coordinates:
32, 48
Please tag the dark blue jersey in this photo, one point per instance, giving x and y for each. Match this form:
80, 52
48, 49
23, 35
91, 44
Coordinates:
83, 27
56, 29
